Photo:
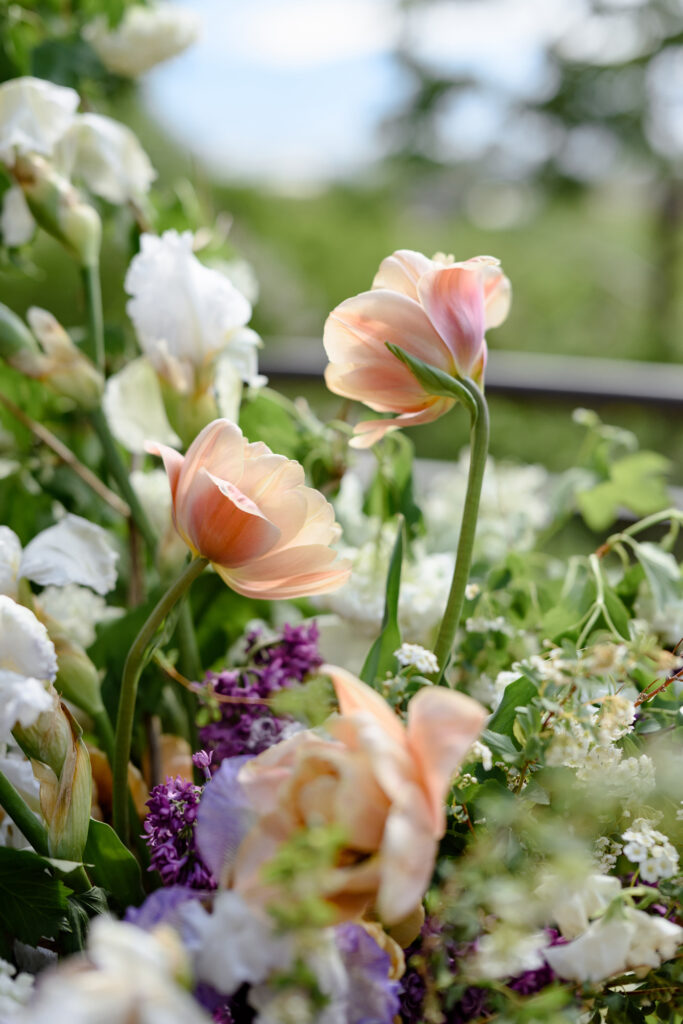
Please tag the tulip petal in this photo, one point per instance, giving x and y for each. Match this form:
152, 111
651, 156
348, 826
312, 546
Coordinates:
287, 586
453, 298
356, 697
173, 463
401, 271
358, 329
219, 448
223, 524
407, 857
368, 432
442, 726
383, 387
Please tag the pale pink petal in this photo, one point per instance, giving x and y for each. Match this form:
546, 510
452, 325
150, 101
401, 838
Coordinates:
358, 329
407, 857
442, 726
453, 298
386, 387
401, 271
313, 574
219, 447
173, 463
356, 697
497, 296
369, 432
223, 524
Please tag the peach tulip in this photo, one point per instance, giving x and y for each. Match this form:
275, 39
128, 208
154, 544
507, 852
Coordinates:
435, 310
249, 512
384, 783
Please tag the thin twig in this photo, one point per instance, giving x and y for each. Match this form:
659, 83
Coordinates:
222, 698
67, 457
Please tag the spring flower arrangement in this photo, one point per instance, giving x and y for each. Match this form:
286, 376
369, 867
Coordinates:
289, 734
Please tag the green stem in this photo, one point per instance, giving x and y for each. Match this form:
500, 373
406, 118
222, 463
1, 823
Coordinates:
479, 445
93, 296
23, 817
129, 687
119, 472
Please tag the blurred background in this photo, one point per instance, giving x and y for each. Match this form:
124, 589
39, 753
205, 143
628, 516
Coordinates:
324, 134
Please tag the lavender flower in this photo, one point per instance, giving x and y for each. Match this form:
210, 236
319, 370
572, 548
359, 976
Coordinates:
246, 726
170, 835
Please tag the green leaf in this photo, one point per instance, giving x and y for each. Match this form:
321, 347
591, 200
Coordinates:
263, 419
312, 703
114, 867
516, 695
380, 659
80, 908
33, 904
661, 571
432, 379
617, 613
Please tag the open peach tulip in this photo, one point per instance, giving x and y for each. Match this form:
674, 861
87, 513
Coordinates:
384, 784
249, 512
434, 310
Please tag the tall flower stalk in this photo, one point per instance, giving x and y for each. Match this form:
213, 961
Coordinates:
129, 687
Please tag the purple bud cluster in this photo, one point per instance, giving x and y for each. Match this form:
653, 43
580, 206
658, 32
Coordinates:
169, 831
246, 726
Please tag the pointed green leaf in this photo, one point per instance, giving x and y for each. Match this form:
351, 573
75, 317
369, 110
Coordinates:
516, 695
111, 865
380, 659
661, 571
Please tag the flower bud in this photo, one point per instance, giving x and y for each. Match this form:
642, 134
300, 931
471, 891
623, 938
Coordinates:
60, 208
61, 764
18, 347
77, 678
65, 368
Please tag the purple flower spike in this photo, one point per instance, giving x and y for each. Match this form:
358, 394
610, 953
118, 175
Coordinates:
170, 835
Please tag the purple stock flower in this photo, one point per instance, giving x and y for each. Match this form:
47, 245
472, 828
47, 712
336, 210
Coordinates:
411, 996
246, 726
170, 835
225, 1009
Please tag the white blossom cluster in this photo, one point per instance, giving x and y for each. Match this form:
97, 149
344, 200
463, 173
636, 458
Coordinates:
415, 656
651, 850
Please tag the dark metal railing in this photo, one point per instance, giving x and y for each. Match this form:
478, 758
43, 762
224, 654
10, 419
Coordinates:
520, 374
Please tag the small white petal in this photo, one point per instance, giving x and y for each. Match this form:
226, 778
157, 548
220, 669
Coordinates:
73, 551
22, 700
145, 36
34, 114
25, 647
10, 557
16, 221
78, 611
178, 301
135, 409
107, 157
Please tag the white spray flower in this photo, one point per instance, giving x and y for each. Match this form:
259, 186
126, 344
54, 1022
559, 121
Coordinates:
146, 35
651, 850
415, 656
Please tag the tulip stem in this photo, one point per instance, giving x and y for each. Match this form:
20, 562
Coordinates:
479, 445
129, 686
93, 296
23, 817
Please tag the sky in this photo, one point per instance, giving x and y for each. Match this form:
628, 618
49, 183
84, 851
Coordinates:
291, 92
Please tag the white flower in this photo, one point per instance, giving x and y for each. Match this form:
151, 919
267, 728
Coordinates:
17, 768
571, 903
16, 221
145, 36
73, 551
184, 313
25, 647
33, 116
15, 990
129, 975
135, 409
78, 611
238, 945
480, 752
651, 850
154, 493
508, 951
291, 1005
634, 939
10, 559
471, 591
106, 157
415, 656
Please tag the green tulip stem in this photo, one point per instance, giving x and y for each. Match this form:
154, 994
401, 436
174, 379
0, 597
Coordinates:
479, 445
129, 687
23, 817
